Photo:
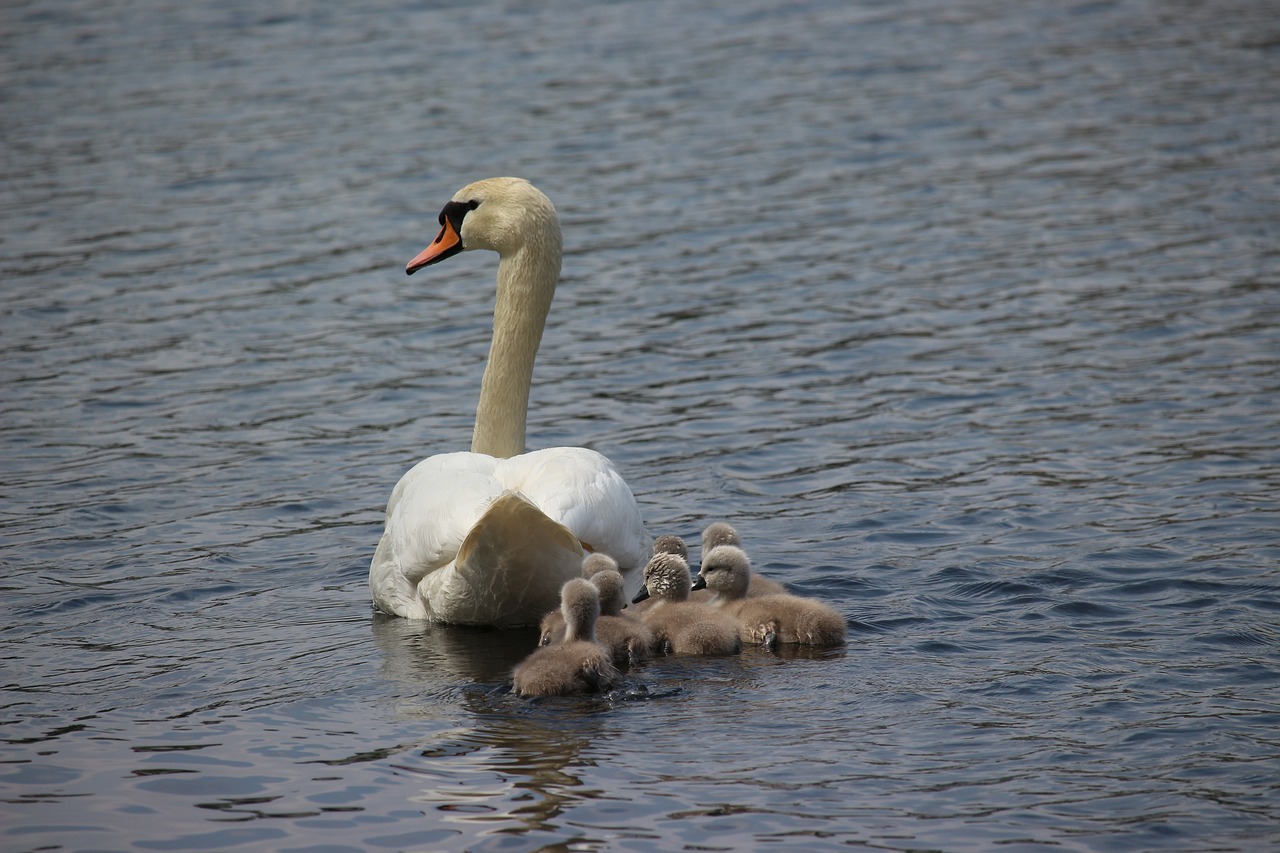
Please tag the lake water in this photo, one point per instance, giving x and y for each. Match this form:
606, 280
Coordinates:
967, 314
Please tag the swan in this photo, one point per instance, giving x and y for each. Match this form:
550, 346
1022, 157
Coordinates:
680, 625
488, 537
579, 664
766, 619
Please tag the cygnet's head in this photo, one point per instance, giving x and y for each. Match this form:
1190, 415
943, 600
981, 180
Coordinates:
612, 594
580, 606
598, 563
726, 571
719, 533
669, 543
666, 576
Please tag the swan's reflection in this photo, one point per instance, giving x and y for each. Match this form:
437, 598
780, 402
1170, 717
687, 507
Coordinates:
426, 656
500, 764
515, 759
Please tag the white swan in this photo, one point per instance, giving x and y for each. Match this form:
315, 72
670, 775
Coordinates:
489, 537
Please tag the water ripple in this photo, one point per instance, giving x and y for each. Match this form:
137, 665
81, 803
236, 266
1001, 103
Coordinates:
968, 321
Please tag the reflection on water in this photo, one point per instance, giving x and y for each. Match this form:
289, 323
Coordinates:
966, 315
445, 657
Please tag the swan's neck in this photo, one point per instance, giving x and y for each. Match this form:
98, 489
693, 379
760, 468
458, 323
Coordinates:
526, 283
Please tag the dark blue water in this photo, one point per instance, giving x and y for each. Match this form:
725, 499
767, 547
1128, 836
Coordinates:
966, 314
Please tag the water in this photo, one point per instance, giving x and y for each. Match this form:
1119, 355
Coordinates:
966, 314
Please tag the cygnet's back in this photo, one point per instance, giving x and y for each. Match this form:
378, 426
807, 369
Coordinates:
722, 533
679, 625
577, 665
766, 619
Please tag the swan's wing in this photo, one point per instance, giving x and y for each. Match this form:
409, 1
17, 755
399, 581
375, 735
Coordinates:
509, 568
471, 539
430, 512
583, 491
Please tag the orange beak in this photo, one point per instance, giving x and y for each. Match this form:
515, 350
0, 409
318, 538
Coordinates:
447, 242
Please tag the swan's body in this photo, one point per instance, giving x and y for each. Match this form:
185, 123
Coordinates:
767, 619
489, 537
577, 665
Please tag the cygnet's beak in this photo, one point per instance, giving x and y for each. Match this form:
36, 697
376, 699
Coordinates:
641, 595
699, 583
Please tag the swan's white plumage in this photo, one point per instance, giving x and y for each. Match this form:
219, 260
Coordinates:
473, 538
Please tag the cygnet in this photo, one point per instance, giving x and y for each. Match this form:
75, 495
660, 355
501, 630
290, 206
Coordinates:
552, 626
767, 619
630, 640
577, 665
598, 563
627, 638
669, 543
722, 533
682, 626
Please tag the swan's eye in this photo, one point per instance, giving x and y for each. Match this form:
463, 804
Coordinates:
455, 210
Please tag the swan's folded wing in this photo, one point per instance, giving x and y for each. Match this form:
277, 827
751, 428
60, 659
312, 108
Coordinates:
431, 510
583, 491
509, 569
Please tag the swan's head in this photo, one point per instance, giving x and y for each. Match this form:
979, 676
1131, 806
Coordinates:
501, 214
666, 576
726, 571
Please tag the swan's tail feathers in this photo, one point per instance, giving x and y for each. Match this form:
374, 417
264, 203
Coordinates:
510, 567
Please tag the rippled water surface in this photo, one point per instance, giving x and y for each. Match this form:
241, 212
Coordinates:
967, 314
